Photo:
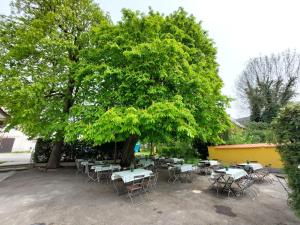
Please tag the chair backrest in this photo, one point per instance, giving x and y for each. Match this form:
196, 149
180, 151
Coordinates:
138, 179
228, 178
215, 175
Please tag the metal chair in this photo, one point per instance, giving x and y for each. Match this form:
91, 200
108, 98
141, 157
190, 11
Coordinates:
244, 184
79, 168
283, 182
105, 174
213, 179
174, 174
226, 181
136, 188
92, 175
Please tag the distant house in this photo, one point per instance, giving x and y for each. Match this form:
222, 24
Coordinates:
14, 140
3, 116
238, 124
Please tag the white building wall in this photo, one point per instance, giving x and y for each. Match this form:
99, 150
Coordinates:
21, 143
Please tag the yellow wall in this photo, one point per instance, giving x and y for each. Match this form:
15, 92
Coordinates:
263, 153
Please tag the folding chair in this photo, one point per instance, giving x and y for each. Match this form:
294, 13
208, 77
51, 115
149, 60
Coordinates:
283, 182
262, 175
174, 174
136, 188
244, 184
214, 181
79, 168
92, 175
227, 182
104, 174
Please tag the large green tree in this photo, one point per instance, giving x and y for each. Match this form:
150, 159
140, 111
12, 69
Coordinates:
39, 46
68, 73
149, 77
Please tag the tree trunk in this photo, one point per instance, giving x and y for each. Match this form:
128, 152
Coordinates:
115, 152
55, 155
128, 151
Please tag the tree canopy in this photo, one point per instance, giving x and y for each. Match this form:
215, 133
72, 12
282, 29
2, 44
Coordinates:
269, 83
40, 44
158, 80
68, 73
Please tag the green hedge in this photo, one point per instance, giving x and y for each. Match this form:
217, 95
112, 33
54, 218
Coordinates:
287, 129
76, 150
178, 150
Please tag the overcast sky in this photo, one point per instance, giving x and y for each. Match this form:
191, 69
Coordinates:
241, 29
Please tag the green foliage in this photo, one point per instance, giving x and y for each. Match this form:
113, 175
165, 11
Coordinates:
178, 149
152, 76
255, 132
39, 46
68, 73
77, 150
201, 147
287, 129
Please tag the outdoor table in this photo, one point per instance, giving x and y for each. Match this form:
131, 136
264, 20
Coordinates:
176, 160
230, 176
86, 165
146, 162
185, 171
210, 162
185, 167
235, 173
127, 176
299, 167
105, 170
100, 168
253, 166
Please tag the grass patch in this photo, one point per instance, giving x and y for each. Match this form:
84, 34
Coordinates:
142, 153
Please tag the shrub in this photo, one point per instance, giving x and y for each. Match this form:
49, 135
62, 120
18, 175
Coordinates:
287, 129
178, 150
76, 150
255, 132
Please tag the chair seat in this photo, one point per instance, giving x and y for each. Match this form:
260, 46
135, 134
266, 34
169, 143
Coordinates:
134, 187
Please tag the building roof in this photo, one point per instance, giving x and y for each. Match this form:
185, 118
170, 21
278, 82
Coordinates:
3, 115
237, 123
261, 145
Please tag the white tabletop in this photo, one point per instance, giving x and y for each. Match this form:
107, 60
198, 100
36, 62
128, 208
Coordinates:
176, 160
185, 167
146, 162
84, 163
99, 168
254, 166
211, 162
128, 176
235, 173
79, 160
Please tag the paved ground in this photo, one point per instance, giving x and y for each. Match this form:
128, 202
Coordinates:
15, 158
61, 197
5, 175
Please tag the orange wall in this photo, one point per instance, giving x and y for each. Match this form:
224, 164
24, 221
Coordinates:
263, 153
